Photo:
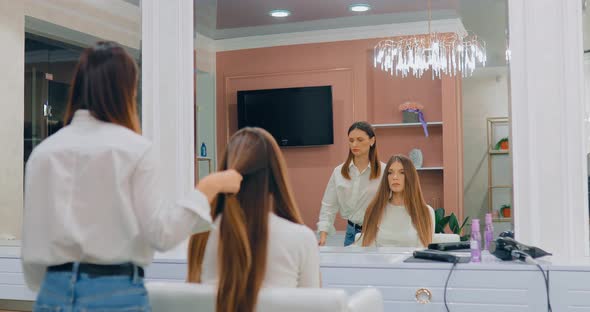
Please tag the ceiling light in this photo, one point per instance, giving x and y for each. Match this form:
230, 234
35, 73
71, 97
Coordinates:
279, 13
442, 53
359, 8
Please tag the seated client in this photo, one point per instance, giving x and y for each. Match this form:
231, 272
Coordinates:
259, 239
398, 215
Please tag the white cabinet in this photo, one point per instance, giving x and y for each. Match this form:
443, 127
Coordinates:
468, 290
490, 286
570, 290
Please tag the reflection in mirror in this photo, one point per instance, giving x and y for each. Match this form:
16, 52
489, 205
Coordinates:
586, 32
205, 115
52, 35
463, 158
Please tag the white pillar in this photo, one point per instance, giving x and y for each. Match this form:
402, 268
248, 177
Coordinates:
12, 36
167, 89
548, 131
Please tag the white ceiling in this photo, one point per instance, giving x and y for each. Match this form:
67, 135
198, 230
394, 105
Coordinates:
223, 19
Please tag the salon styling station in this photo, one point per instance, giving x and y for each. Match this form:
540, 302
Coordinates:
491, 285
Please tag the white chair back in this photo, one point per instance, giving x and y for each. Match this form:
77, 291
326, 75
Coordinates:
181, 297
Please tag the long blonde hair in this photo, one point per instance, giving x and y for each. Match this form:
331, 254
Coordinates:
413, 201
243, 228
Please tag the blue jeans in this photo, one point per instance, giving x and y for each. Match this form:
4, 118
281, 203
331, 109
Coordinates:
78, 292
351, 232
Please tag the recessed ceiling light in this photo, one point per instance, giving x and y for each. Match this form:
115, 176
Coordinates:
359, 7
279, 13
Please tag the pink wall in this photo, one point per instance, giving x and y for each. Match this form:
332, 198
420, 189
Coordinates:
359, 93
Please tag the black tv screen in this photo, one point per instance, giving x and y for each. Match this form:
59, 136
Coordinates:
294, 116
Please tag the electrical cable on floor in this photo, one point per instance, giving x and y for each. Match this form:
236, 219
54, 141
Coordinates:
447, 282
546, 278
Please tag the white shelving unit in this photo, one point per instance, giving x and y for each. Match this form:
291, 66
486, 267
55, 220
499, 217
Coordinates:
499, 169
406, 124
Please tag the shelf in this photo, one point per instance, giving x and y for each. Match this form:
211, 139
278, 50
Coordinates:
430, 168
499, 219
501, 186
499, 151
406, 124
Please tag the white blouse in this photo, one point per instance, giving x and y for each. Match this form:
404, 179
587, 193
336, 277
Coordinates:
350, 198
397, 230
92, 194
293, 258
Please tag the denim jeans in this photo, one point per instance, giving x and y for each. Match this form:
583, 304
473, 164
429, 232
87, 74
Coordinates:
350, 234
78, 292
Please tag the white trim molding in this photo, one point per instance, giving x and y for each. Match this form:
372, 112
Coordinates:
340, 34
167, 87
205, 49
108, 20
548, 131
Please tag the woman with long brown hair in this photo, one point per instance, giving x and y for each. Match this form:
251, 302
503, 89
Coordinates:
352, 184
398, 216
259, 239
94, 214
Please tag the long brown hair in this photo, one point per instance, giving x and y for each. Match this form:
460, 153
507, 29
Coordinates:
105, 83
243, 228
196, 251
373, 157
413, 201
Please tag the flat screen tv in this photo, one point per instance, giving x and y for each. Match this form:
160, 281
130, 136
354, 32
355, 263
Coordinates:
294, 116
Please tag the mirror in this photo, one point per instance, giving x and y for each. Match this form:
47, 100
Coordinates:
586, 33
466, 163
46, 41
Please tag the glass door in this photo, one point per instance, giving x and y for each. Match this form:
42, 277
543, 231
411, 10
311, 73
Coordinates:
49, 65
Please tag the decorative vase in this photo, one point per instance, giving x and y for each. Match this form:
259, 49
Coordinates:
410, 117
416, 157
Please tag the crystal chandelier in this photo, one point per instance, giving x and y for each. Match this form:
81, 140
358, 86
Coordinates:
443, 53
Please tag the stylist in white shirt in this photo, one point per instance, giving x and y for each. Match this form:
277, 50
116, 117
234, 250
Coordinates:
352, 184
94, 214
398, 215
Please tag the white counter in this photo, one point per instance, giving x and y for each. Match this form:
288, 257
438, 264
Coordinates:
491, 285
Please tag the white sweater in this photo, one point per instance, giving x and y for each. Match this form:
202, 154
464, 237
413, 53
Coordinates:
293, 258
397, 230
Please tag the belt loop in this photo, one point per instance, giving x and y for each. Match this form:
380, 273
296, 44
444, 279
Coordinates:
75, 271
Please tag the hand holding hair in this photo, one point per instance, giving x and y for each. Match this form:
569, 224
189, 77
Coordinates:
227, 181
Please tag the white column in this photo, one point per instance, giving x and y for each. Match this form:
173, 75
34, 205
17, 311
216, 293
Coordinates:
12, 59
548, 132
167, 89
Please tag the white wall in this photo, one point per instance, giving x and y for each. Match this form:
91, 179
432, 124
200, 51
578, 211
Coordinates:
206, 119
113, 20
485, 94
12, 36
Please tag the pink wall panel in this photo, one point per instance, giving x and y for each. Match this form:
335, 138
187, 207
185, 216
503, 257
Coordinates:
309, 167
388, 92
360, 92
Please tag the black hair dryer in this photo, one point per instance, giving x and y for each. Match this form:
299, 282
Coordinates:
506, 248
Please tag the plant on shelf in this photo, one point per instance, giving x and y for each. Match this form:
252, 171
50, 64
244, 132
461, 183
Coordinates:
441, 221
505, 211
502, 144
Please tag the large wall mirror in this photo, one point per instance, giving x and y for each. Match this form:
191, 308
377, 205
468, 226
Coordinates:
586, 43
466, 167
44, 42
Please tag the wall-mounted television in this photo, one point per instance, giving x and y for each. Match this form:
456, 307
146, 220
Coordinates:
294, 116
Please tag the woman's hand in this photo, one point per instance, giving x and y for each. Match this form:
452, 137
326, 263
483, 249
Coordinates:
227, 181
323, 236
